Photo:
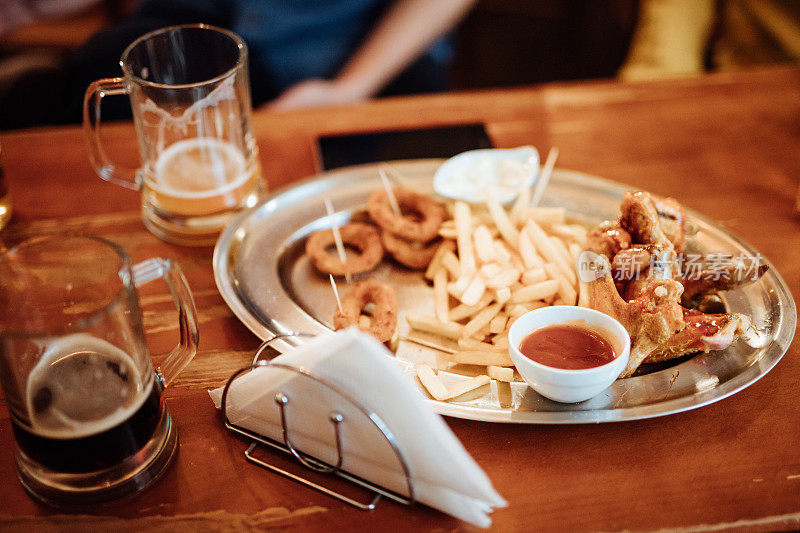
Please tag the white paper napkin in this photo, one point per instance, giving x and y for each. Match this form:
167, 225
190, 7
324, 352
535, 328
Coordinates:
444, 475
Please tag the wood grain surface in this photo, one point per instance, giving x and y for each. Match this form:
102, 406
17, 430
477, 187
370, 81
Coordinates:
726, 145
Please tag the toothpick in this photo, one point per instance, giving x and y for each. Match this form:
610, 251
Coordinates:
396, 176
337, 236
544, 176
523, 199
336, 293
390, 193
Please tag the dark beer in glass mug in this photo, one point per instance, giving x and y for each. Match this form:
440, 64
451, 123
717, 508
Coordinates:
85, 401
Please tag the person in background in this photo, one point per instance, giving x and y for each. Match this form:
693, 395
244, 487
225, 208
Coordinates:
15, 13
401, 52
303, 53
676, 38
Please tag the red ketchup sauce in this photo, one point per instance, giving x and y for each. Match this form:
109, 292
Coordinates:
568, 346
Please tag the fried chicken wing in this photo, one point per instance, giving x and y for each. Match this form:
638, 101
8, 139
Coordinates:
697, 285
651, 319
643, 287
702, 333
607, 239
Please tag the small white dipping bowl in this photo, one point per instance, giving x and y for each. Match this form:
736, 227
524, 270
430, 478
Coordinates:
560, 384
473, 175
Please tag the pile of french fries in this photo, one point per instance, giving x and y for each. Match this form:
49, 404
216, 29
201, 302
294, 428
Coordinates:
493, 266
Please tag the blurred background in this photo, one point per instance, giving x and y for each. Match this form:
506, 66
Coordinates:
482, 44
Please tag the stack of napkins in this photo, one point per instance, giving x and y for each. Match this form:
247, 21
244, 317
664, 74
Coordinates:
444, 475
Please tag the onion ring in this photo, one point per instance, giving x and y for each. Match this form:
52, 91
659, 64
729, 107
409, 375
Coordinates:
363, 237
413, 254
431, 214
384, 314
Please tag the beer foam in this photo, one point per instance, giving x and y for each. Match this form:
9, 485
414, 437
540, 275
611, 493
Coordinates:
49, 371
199, 167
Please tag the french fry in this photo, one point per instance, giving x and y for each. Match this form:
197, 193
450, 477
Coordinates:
547, 215
558, 244
460, 285
534, 275
481, 319
484, 247
498, 323
548, 251
569, 272
569, 232
482, 333
482, 358
537, 291
463, 387
504, 225
500, 342
448, 233
440, 296
527, 251
483, 217
450, 262
517, 310
462, 311
474, 291
501, 254
502, 295
516, 262
575, 251
504, 397
463, 217
436, 261
431, 382
566, 291
427, 343
490, 270
500, 373
429, 324
505, 278
470, 344
541, 241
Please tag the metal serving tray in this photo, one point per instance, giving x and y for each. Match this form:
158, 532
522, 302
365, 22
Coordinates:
265, 278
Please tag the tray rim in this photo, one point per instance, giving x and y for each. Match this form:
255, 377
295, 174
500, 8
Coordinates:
226, 245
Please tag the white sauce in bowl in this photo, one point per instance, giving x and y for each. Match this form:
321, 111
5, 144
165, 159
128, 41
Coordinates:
478, 174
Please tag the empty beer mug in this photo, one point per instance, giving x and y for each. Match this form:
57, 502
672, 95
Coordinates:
190, 95
85, 403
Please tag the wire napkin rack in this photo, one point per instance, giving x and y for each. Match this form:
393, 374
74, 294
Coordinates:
337, 419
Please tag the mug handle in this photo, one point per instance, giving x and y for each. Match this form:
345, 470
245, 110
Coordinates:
91, 128
170, 272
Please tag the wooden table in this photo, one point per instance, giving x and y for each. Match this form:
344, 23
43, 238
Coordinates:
726, 145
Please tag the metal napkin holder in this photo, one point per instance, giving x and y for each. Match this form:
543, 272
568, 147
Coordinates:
337, 419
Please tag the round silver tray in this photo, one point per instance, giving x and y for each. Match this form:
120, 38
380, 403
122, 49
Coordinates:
265, 278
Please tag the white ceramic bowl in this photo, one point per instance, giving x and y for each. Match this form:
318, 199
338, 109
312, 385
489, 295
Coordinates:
471, 176
559, 384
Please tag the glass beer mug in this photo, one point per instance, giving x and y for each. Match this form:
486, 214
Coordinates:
190, 95
85, 403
